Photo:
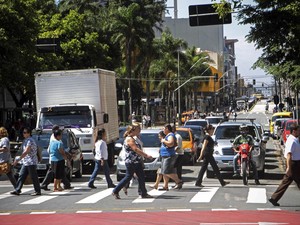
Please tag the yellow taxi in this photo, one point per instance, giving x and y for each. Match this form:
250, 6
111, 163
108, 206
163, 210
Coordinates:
276, 116
188, 143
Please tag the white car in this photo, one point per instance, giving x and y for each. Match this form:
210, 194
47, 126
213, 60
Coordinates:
151, 146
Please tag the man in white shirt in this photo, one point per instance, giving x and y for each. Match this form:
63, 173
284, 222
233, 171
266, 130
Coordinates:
292, 155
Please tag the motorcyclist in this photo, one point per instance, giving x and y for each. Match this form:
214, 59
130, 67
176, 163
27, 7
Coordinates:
244, 137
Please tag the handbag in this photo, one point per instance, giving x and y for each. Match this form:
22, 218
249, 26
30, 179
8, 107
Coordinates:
4, 167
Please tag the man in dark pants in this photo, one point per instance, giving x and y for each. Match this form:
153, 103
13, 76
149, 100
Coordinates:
50, 175
292, 155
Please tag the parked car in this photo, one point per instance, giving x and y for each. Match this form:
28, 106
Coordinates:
286, 131
224, 135
198, 122
276, 116
71, 145
119, 142
188, 144
151, 146
277, 127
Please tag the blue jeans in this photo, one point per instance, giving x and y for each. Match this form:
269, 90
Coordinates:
31, 170
132, 168
106, 172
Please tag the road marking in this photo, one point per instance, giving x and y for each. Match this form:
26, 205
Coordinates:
38, 200
230, 209
153, 193
204, 195
257, 195
4, 214
138, 210
38, 213
179, 210
7, 194
95, 211
96, 197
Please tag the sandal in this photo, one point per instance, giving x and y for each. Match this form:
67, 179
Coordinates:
178, 185
153, 186
163, 189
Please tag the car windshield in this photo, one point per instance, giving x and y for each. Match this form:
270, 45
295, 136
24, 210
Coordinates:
214, 120
201, 123
184, 134
231, 132
42, 140
196, 132
150, 140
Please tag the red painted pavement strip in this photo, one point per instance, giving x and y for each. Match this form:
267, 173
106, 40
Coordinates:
154, 218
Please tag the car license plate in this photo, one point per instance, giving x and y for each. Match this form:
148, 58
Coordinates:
230, 163
41, 166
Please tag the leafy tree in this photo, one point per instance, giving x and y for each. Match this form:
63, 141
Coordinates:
18, 31
132, 26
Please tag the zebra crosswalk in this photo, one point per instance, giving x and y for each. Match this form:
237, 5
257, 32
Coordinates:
250, 195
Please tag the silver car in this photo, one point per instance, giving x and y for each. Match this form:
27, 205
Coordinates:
151, 146
224, 134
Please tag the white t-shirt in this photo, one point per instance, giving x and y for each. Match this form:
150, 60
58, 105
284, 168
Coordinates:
292, 146
179, 149
101, 150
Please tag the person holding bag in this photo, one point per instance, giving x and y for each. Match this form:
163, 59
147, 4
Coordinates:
5, 157
29, 161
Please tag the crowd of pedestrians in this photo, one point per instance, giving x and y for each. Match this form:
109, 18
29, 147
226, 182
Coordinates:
171, 153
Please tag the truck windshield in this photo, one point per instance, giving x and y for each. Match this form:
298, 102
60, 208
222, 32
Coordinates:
75, 118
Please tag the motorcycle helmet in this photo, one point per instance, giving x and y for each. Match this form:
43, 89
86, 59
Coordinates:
244, 129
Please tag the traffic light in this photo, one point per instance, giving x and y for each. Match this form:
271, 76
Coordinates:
216, 77
254, 81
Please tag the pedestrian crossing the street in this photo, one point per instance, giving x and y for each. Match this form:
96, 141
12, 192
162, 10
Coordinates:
251, 195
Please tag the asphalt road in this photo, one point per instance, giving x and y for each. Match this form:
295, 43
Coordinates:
233, 202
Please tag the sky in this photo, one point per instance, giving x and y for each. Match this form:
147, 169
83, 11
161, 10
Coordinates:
246, 54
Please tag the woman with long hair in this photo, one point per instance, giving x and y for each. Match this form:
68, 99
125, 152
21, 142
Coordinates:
101, 155
133, 162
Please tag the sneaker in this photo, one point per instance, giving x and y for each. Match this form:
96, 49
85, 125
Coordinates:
274, 203
15, 193
35, 194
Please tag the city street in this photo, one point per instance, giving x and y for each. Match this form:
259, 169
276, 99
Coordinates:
212, 204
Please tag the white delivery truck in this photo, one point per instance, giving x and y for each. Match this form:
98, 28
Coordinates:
81, 100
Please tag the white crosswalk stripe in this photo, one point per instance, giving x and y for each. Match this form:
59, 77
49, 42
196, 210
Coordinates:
94, 198
204, 195
257, 195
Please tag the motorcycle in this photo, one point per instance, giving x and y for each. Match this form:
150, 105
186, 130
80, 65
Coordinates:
244, 161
